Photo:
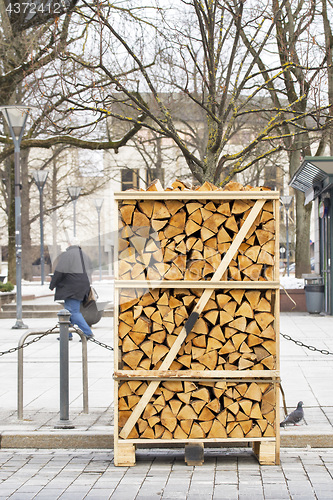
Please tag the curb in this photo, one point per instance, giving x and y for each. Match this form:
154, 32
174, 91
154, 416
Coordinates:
312, 439
102, 440
56, 440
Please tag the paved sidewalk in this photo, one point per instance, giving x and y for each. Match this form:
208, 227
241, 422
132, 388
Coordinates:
234, 475
41, 392
306, 376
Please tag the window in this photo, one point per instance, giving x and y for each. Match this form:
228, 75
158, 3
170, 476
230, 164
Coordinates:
129, 179
152, 174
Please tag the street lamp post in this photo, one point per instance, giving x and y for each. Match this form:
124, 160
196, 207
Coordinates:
98, 205
16, 118
40, 177
74, 193
287, 201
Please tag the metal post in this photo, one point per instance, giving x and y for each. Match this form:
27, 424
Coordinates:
74, 217
20, 381
40, 177
287, 201
287, 238
41, 211
20, 353
74, 193
64, 323
16, 118
18, 241
99, 246
84, 373
98, 205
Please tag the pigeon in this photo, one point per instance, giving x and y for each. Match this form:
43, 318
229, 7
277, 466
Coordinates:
295, 416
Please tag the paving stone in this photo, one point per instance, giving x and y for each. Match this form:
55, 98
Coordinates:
225, 492
295, 478
229, 472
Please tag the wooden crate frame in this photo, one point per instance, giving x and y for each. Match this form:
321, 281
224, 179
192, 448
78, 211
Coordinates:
266, 449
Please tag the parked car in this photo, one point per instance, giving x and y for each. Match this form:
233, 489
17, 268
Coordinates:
292, 266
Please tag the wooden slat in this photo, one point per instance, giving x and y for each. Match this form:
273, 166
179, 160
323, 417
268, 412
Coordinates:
197, 310
257, 285
198, 195
115, 328
202, 440
116, 246
266, 375
276, 213
277, 330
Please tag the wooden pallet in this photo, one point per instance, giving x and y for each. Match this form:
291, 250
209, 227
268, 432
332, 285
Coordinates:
198, 359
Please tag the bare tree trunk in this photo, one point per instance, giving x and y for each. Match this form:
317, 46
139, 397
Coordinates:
302, 251
303, 219
54, 214
328, 48
159, 160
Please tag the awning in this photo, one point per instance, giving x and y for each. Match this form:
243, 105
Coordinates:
314, 176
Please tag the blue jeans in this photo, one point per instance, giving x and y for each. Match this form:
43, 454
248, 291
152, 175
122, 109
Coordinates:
73, 306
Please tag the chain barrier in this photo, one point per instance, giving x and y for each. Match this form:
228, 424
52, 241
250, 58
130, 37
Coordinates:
310, 347
36, 339
26, 344
98, 342
110, 348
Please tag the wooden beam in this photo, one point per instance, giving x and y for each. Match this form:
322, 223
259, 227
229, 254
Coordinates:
257, 285
198, 195
265, 375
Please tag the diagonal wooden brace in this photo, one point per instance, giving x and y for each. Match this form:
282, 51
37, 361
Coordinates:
193, 317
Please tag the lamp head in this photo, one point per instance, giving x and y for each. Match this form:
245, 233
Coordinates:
40, 177
98, 203
74, 192
16, 117
286, 201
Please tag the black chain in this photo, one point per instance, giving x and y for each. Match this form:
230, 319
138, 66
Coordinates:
310, 347
101, 344
110, 348
36, 339
95, 340
25, 344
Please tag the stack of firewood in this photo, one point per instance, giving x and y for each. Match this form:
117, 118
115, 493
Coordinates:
195, 410
186, 240
234, 331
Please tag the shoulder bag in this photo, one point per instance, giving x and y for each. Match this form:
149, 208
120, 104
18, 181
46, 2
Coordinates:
92, 295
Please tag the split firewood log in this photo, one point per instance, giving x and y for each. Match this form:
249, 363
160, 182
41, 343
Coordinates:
240, 410
176, 227
234, 331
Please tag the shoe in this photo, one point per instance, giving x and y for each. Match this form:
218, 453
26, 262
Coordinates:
69, 338
91, 336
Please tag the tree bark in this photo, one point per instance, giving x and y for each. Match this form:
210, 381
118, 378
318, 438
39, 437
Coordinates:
303, 220
302, 250
328, 50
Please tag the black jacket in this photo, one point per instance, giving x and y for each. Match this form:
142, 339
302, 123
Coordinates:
69, 278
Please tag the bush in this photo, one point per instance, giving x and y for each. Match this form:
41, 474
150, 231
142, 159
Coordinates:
6, 287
